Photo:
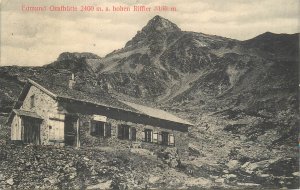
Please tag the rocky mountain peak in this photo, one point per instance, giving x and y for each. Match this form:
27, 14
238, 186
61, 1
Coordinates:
156, 28
160, 24
75, 56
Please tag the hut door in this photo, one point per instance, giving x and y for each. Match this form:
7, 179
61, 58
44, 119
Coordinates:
31, 130
70, 131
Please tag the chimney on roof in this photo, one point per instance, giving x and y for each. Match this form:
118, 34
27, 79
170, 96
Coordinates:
72, 81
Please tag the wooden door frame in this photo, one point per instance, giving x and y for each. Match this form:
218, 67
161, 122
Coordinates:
35, 123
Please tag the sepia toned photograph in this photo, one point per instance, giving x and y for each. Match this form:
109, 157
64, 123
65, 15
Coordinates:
149, 94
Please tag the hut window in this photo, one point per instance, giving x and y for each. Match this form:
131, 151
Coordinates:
133, 134
164, 138
126, 132
123, 132
148, 135
171, 140
155, 137
97, 128
32, 103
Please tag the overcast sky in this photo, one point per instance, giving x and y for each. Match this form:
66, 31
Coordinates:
37, 38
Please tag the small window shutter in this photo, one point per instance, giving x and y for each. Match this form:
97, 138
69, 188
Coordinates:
90, 127
133, 134
120, 132
159, 141
144, 136
107, 130
93, 128
129, 133
104, 129
101, 128
155, 137
151, 133
171, 140
61, 131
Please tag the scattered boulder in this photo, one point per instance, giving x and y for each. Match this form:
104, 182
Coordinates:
173, 163
10, 181
198, 182
169, 156
248, 184
249, 167
263, 175
229, 176
194, 151
153, 179
233, 165
220, 181
297, 174
102, 185
2, 177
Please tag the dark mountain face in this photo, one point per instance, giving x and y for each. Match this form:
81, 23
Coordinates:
191, 73
159, 56
280, 46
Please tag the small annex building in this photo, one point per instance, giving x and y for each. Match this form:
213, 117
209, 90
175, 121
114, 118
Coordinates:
46, 114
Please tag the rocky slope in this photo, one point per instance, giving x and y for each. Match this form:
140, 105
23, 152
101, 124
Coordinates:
35, 167
242, 95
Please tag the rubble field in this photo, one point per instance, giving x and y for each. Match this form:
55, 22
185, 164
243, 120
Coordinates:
46, 167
